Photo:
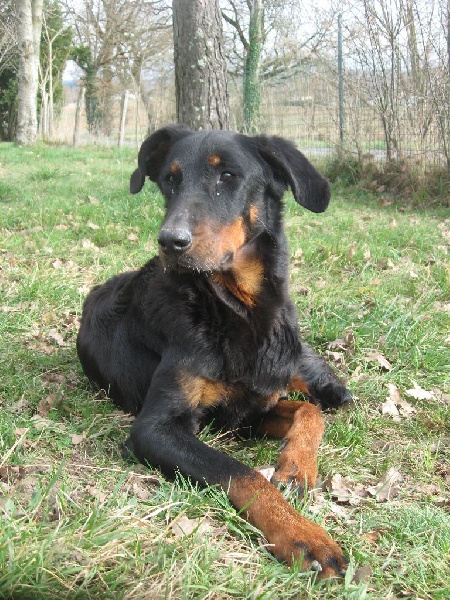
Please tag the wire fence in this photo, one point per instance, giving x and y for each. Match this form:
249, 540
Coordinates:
306, 108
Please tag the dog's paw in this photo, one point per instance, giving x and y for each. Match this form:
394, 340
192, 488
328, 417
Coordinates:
309, 544
294, 469
331, 395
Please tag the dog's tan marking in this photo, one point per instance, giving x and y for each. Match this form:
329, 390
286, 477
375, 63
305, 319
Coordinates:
214, 160
297, 384
253, 214
243, 280
175, 167
214, 241
201, 392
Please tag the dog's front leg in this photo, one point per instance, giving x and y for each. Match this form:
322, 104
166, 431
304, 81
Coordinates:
318, 380
163, 436
300, 425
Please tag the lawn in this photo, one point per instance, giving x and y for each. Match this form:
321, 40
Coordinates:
371, 282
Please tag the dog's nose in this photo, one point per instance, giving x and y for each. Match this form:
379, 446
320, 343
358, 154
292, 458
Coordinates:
174, 241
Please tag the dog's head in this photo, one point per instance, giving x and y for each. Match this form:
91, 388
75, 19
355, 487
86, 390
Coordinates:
220, 190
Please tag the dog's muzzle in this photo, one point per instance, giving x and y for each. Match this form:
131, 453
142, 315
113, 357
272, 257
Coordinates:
174, 242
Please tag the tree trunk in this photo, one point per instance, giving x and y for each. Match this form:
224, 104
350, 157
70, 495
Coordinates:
80, 102
252, 82
200, 70
29, 25
123, 117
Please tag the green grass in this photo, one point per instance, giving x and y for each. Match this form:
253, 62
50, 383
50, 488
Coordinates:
77, 522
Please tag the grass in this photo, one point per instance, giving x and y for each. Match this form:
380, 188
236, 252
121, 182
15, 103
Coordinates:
77, 522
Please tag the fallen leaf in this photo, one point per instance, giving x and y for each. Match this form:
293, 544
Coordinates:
395, 405
419, 393
55, 336
336, 357
97, 493
387, 488
183, 526
378, 357
93, 200
77, 438
20, 405
351, 251
389, 408
88, 245
46, 404
344, 489
362, 575
344, 343
93, 226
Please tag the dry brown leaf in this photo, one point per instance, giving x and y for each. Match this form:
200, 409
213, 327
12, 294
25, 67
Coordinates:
97, 493
389, 408
419, 393
395, 405
344, 343
336, 357
55, 336
344, 489
351, 251
378, 357
93, 226
46, 404
362, 575
387, 488
77, 438
88, 244
183, 526
94, 201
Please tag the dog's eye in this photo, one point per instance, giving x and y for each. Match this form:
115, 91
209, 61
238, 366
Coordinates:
227, 176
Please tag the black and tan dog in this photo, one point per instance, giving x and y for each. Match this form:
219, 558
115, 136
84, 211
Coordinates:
206, 331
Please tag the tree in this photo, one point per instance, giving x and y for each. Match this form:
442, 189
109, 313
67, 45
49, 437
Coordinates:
115, 39
266, 41
8, 71
56, 40
29, 25
201, 86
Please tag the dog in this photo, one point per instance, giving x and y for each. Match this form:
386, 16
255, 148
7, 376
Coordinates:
206, 331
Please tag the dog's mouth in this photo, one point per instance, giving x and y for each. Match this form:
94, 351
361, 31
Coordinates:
189, 263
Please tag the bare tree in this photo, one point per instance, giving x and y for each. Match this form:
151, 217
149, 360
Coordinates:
267, 41
8, 35
116, 39
29, 24
201, 85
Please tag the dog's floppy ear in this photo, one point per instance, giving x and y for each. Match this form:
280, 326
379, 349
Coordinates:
293, 169
153, 152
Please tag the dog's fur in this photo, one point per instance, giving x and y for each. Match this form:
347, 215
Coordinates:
207, 331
